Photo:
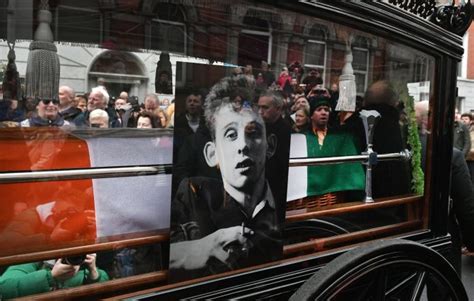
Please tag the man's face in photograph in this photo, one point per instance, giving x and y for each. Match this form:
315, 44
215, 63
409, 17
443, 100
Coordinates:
240, 145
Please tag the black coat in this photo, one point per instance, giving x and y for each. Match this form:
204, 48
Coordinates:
461, 222
276, 168
389, 178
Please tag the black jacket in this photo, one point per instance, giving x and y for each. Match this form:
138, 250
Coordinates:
70, 114
201, 207
462, 137
461, 218
389, 178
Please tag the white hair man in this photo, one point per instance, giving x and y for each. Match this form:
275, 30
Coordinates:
99, 119
98, 99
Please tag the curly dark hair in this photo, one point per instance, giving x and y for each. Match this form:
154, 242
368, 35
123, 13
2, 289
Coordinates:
236, 90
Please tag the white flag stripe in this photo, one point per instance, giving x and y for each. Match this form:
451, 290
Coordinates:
131, 204
297, 176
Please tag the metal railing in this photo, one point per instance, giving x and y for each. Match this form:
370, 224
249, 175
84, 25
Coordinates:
83, 173
109, 172
403, 155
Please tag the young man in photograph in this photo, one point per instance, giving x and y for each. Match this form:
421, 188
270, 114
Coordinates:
216, 225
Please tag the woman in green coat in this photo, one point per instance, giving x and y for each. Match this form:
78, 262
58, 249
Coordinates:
39, 277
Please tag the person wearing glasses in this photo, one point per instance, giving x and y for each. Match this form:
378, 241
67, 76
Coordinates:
47, 115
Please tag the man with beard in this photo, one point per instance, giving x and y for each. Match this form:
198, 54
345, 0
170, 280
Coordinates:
218, 226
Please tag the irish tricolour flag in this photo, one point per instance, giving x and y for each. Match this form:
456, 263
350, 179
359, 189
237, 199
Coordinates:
317, 180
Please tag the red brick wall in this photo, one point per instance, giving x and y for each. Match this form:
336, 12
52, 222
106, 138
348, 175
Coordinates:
470, 53
295, 53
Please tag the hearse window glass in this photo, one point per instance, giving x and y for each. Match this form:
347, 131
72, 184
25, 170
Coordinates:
168, 31
360, 52
97, 164
315, 53
254, 40
77, 24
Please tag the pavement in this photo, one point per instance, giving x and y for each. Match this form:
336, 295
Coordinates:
468, 275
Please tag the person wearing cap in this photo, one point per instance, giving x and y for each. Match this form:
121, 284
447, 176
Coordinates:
224, 224
323, 141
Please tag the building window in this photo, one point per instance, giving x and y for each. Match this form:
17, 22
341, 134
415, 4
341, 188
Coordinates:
421, 68
168, 31
254, 40
360, 65
78, 24
316, 51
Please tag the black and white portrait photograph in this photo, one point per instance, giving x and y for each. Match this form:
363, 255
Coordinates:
224, 215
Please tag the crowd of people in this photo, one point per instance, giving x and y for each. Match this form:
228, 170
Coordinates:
238, 106
237, 134
95, 109
464, 138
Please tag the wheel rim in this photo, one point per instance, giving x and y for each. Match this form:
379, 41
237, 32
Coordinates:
400, 279
385, 270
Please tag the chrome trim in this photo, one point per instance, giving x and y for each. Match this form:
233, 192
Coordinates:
93, 173
113, 172
295, 162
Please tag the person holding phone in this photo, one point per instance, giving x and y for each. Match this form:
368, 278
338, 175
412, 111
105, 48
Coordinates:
40, 277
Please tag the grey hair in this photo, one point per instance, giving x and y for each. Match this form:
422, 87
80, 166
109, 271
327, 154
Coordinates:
103, 91
277, 97
69, 91
236, 90
98, 113
155, 98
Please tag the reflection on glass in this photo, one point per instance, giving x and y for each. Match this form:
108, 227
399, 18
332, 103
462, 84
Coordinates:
25, 279
42, 216
40, 277
126, 65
